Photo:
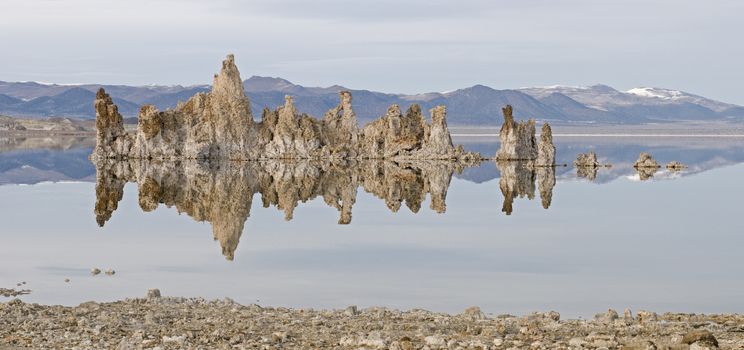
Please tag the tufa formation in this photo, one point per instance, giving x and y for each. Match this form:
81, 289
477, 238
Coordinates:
586, 165
646, 161
675, 166
518, 141
586, 160
219, 125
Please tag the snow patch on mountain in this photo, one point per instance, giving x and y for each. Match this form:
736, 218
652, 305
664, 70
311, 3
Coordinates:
665, 94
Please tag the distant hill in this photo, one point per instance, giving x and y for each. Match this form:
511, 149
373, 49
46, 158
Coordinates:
477, 105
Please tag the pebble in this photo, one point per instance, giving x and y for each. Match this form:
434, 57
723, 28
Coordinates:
193, 323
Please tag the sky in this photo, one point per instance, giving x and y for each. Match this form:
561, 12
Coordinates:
384, 45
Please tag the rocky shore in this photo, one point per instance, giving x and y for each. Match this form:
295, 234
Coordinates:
158, 322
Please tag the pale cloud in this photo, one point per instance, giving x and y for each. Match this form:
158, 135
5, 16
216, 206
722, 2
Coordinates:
401, 46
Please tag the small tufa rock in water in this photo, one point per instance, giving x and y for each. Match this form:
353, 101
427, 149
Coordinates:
586, 160
95, 271
586, 165
645, 161
153, 293
675, 165
110, 272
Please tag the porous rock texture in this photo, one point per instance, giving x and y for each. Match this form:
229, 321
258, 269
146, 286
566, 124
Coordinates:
646, 161
675, 165
222, 192
586, 165
586, 160
219, 125
645, 173
193, 323
546, 148
518, 141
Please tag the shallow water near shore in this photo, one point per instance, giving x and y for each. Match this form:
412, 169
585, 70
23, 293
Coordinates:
670, 243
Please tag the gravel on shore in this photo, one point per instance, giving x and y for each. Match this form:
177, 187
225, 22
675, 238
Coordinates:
180, 323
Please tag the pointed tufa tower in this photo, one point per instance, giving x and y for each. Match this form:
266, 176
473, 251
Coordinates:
230, 110
518, 141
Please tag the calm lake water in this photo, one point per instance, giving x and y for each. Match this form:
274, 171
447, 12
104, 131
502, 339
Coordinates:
378, 234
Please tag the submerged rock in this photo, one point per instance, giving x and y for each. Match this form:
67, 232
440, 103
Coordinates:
219, 125
645, 161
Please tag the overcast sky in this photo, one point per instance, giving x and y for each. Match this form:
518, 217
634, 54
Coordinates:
385, 45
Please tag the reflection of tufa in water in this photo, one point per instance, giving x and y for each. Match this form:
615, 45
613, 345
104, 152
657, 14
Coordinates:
222, 192
518, 180
586, 165
219, 125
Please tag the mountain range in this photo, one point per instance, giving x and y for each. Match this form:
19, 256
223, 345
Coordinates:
477, 105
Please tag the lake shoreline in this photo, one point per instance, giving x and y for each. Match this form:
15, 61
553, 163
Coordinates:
171, 323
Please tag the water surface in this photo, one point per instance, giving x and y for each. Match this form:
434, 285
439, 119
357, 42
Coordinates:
407, 236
